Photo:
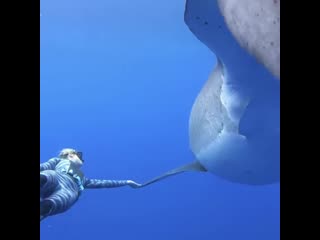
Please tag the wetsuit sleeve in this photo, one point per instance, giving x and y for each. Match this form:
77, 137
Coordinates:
50, 164
96, 183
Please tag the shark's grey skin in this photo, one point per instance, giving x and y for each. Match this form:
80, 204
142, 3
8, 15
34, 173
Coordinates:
234, 125
255, 24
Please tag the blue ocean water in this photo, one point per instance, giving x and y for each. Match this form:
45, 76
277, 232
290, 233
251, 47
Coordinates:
118, 80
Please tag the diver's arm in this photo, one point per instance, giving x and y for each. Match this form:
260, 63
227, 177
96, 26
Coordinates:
50, 164
96, 183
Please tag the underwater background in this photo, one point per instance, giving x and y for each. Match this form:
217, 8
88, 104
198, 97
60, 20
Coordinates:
118, 80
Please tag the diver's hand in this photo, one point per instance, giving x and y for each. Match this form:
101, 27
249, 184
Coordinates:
133, 184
